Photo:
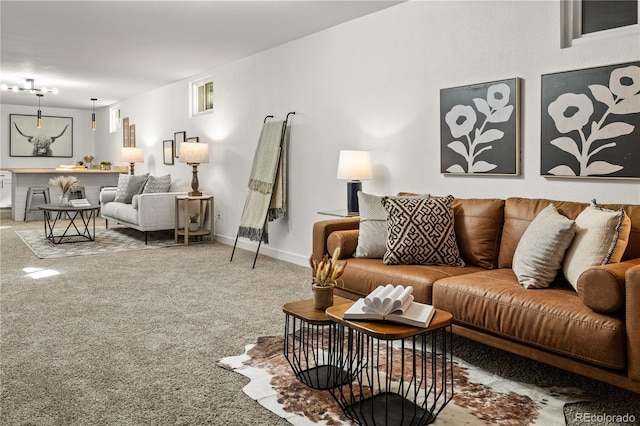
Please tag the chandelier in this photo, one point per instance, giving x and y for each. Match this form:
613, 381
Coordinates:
29, 86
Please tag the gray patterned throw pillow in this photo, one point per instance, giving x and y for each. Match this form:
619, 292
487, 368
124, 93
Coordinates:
421, 231
121, 192
157, 184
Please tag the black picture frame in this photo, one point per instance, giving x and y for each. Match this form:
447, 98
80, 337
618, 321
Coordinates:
192, 139
590, 121
168, 152
178, 138
480, 129
53, 139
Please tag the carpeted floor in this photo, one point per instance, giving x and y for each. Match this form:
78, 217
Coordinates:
132, 338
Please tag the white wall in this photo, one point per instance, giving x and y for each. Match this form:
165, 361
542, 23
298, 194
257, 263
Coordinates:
83, 137
372, 83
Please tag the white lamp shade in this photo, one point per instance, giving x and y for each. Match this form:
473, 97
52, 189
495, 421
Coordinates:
354, 165
194, 152
132, 155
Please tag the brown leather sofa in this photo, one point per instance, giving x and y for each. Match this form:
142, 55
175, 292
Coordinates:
594, 332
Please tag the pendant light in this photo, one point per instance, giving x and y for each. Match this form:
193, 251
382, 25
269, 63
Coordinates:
93, 114
39, 121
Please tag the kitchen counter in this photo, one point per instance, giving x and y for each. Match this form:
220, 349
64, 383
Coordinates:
92, 180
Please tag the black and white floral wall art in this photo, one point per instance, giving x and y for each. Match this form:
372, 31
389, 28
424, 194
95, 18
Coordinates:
591, 122
480, 128
53, 139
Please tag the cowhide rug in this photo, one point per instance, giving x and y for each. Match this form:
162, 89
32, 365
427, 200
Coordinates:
479, 397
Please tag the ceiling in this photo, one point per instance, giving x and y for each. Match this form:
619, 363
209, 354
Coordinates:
114, 50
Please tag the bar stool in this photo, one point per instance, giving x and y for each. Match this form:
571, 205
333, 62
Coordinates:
35, 190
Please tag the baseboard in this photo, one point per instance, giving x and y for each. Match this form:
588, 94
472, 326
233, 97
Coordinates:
264, 249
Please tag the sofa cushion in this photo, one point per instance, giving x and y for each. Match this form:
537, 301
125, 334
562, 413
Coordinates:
554, 319
421, 231
157, 184
478, 226
372, 238
365, 275
121, 212
540, 252
601, 237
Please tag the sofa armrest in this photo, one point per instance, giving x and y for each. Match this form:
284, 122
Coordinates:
632, 284
157, 208
602, 288
322, 230
107, 194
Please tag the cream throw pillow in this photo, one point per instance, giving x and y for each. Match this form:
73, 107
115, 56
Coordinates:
372, 235
538, 256
601, 237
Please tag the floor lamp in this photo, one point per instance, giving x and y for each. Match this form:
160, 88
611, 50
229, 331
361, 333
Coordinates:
194, 153
354, 166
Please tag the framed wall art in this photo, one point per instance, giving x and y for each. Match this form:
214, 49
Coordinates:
179, 137
480, 128
53, 139
167, 151
591, 122
193, 139
132, 135
125, 132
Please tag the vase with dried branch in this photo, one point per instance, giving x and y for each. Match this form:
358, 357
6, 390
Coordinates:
325, 276
65, 183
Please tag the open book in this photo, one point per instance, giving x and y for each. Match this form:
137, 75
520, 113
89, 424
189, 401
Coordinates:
83, 202
391, 303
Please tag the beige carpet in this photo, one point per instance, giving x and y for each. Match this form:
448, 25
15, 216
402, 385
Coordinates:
132, 338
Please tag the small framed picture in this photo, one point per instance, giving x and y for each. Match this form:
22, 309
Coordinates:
125, 132
193, 139
167, 151
132, 135
178, 138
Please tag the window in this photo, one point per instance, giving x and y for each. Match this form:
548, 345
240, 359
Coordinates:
585, 20
115, 122
202, 97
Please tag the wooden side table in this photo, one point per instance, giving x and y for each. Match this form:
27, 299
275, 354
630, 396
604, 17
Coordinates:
402, 375
307, 342
184, 204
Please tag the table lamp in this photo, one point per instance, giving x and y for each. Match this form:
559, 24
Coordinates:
354, 166
132, 155
194, 153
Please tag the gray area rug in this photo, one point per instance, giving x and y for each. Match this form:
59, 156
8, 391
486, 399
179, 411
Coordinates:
106, 241
132, 338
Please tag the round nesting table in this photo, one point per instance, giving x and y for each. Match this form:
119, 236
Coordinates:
81, 226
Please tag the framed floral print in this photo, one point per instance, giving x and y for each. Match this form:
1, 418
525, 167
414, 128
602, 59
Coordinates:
168, 152
591, 122
480, 128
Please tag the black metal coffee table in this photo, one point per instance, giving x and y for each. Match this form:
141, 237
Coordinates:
82, 220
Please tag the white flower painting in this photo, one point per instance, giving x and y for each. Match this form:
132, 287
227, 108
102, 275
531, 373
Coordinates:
591, 122
480, 128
